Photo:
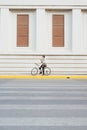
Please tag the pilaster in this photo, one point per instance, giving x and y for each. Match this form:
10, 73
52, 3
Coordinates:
40, 30
76, 31
4, 30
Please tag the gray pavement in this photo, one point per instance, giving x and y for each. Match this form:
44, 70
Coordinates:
27, 104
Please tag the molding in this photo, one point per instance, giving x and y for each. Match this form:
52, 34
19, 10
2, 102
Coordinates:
43, 2
39, 54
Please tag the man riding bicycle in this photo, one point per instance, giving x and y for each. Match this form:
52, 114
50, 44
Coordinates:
43, 64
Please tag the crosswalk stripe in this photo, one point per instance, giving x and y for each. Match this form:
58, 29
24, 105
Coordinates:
70, 92
40, 85
45, 107
44, 87
41, 98
74, 121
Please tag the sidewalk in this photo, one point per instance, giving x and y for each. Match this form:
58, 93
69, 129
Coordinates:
44, 77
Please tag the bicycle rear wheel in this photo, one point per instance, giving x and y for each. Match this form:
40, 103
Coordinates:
34, 71
47, 71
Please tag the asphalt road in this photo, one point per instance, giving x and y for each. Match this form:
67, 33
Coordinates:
27, 104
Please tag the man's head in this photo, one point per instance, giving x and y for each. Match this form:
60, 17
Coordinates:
43, 56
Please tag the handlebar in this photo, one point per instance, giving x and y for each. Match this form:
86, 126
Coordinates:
37, 64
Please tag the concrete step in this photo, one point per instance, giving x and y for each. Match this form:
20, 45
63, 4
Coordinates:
62, 64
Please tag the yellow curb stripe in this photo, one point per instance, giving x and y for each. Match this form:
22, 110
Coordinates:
79, 77
43, 77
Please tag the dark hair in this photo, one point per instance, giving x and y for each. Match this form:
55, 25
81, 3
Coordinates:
43, 56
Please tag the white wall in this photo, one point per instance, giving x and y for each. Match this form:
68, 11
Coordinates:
0, 25
67, 31
41, 31
4, 29
41, 40
43, 2
13, 32
84, 30
77, 46
41, 36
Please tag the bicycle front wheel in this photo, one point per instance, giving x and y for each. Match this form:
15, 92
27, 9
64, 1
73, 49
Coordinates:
47, 71
34, 71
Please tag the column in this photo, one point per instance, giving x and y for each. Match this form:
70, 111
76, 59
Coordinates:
40, 30
76, 31
4, 29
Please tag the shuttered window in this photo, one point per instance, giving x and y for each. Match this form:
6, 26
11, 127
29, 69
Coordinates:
58, 31
22, 30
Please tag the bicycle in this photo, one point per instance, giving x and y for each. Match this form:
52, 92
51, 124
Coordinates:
36, 70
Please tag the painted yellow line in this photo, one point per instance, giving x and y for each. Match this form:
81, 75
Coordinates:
43, 77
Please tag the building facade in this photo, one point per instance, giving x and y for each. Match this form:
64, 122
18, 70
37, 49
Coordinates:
56, 28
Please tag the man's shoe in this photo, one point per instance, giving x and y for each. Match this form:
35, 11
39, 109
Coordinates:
40, 72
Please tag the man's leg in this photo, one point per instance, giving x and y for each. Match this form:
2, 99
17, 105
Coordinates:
43, 70
40, 69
